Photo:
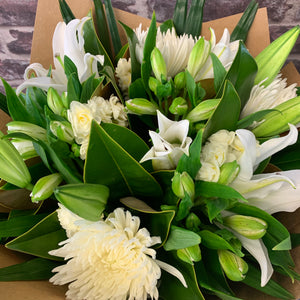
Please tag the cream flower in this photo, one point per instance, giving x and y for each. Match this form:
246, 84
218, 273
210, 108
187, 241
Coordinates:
116, 262
123, 73
275, 93
169, 144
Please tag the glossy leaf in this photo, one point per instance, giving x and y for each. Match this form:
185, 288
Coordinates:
255, 117
65, 11
69, 67
89, 87
3, 103
179, 16
219, 71
193, 24
122, 52
40, 239
137, 90
34, 269
165, 26
226, 114
74, 88
109, 164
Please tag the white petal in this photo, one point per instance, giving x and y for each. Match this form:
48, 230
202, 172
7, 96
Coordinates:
58, 41
90, 66
163, 123
173, 271
37, 68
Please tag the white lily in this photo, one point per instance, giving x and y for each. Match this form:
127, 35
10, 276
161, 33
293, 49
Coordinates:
169, 144
67, 40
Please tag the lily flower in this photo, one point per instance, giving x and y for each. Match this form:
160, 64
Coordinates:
67, 40
168, 144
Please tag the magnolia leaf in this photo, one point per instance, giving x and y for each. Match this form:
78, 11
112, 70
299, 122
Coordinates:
66, 11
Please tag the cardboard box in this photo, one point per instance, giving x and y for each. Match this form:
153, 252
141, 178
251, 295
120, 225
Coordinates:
48, 15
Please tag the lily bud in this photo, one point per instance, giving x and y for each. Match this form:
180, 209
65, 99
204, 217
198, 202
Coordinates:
183, 183
54, 101
76, 149
203, 111
234, 266
12, 167
180, 80
179, 106
192, 222
198, 56
25, 148
153, 84
30, 129
63, 130
65, 101
45, 186
158, 64
141, 106
277, 121
190, 254
228, 172
250, 227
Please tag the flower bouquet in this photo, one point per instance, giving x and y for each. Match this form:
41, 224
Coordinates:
152, 168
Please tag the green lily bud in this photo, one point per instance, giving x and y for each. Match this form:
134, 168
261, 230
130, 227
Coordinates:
234, 266
141, 106
228, 172
12, 167
30, 129
203, 110
54, 101
277, 122
198, 56
158, 64
63, 130
180, 80
183, 183
179, 106
153, 84
250, 227
25, 148
65, 101
272, 58
45, 186
76, 149
190, 254
192, 222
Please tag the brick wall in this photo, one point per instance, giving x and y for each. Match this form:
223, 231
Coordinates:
17, 20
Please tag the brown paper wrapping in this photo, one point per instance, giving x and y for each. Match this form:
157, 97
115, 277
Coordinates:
48, 15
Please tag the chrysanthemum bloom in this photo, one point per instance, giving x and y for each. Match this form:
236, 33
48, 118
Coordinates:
110, 260
267, 97
123, 73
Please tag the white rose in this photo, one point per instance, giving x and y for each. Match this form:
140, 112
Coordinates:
208, 172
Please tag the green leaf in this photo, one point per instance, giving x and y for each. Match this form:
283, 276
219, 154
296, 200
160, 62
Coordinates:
165, 26
122, 52
193, 24
69, 67
242, 28
109, 164
219, 71
3, 103
254, 117
85, 200
158, 222
180, 238
34, 269
74, 88
102, 28
215, 206
191, 88
226, 114
150, 43
191, 164
112, 24
66, 11
295, 238
271, 288
89, 87
184, 207
40, 239
179, 16
137, 90
132, 41
18, 225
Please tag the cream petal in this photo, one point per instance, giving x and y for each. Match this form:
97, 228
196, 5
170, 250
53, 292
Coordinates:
58, 41
90, 66
37, 68
163, 122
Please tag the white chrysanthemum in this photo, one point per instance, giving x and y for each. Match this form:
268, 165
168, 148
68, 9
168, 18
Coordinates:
275, 93
174, 49
123, 73
110, 260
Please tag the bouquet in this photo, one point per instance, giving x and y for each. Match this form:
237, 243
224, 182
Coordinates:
153, 169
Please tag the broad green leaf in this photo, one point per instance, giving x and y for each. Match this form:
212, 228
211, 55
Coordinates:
219, 71
112, 24
179, 16
18, 225
180, 238
271, 288
89, 87
226, 114
74, 88
242, 28
295, 237
69, 67
184, 207
85, 200
109, 164
191, 88
132, 41
102, 28
137, 90
165, 26
254, 117
3, 103
40, 239
158, 222
193, 24
34, 269
65, 11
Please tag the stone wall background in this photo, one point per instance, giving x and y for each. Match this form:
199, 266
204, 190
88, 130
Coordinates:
17, 21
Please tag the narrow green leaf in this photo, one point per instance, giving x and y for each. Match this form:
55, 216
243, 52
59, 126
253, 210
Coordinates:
219, 71
66, 11
3, 103
193, 24
69, 66
179, 16
226, 114
122, 52
112, 24
74, 88
40, 239
89, 87
109, 164
184, 207
137, 90
242, 28
191, 88
34, 269
165, 26
255, 117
